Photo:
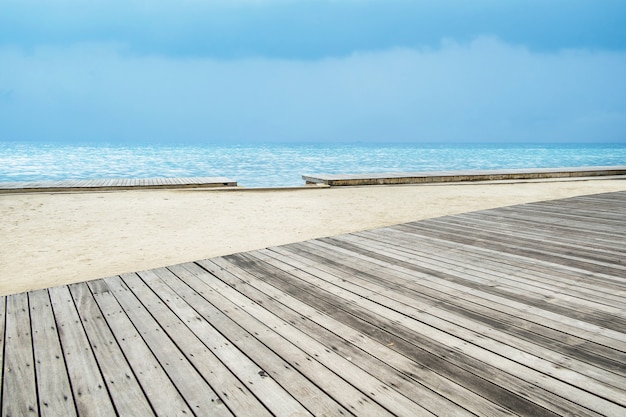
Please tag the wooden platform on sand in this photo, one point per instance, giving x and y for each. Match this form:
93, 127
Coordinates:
510, 311
116, 184
460, 176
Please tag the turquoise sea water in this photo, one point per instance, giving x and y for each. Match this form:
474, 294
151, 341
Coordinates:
282, 165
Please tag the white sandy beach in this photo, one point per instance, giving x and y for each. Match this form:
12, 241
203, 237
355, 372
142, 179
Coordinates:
49, 239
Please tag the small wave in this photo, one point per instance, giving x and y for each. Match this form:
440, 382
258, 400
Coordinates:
282, 165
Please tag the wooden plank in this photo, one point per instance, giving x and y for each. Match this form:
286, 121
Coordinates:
115, 184
567, 238
502, 318
481, 265
88, 386
578, 210
3, 301
596, 227
19, 395
459, 175
546, 306
607, 207
561, 361
210, 353
440, 250
200, 397
415, 252
266, 390
604, 198
405, 375
529, 252
281, 338
518, 216
584, 217
575, 304
574, 251
513, 258
53, 386
459, 338
159, 389
306, 392
408, 340
574, 327
126, 393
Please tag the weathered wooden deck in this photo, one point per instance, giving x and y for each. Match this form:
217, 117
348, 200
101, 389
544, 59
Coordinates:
511, 311
335, 180
115, 184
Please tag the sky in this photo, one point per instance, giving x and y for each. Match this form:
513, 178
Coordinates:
239, 71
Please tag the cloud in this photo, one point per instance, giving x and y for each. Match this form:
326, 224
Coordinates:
309, 29
483, 90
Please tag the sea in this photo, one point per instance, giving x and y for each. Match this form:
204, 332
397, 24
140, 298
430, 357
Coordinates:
282, 165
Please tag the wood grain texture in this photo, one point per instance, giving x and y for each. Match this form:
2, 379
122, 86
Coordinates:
115, 184
19, 390
460, 175
53, 386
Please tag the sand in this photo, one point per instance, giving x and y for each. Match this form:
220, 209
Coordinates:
50, 239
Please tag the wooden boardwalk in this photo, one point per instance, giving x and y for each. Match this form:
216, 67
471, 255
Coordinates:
115, 184
334, 180
511, 311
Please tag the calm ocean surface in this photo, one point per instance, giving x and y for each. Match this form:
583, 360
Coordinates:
282, 165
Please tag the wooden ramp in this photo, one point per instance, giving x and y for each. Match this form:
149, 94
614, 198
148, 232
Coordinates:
511, 311
116, 184
460, 176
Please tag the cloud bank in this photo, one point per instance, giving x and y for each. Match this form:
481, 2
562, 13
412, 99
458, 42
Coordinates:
309, 29
313, 70
485, 90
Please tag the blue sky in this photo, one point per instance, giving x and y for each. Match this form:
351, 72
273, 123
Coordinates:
313, 70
